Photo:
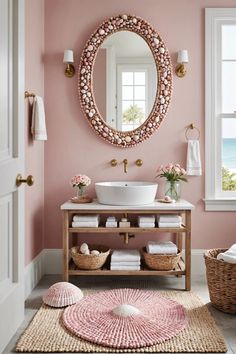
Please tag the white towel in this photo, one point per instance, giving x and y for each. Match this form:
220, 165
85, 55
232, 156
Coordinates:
149, 218
146, 224
169, 224
121, 267
84, 223
111, 224
86, 217
134, 263
38, 124
228, 256
161, 247
194, 166
125, 255
169, 218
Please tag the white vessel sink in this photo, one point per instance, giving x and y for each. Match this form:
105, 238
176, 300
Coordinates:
126, 192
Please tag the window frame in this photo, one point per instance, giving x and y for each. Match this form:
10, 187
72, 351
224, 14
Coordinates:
215, 198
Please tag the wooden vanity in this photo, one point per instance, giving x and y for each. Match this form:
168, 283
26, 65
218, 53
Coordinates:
181, 234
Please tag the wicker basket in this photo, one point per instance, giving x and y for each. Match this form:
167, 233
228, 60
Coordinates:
87, 261
161, 261
221, 279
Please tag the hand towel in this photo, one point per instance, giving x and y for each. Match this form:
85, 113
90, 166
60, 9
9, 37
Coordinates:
84, 223
194, 167
149, 218
146, 224
86, 217
135, 263
111, 224
169, 224
169, 218
120, 267
161, 247
125, 255
38, 124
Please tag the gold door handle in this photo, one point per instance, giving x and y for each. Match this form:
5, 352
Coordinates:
29, 180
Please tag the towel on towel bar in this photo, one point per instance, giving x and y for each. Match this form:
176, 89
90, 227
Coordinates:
38, 124
194, 166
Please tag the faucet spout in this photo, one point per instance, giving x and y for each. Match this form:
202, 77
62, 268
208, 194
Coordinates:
125, 162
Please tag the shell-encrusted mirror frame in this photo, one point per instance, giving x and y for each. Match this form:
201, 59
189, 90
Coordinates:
164, 87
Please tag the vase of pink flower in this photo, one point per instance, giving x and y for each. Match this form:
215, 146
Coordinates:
174, 175
80, 182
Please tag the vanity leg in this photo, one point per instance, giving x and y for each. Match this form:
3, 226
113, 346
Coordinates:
65, 218
188, 250
179, 244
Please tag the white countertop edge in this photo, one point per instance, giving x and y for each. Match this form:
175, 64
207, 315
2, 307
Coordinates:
180, 205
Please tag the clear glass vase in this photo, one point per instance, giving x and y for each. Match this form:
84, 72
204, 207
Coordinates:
80, 191
173, 189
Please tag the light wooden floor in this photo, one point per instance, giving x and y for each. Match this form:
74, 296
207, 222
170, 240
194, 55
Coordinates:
226, 322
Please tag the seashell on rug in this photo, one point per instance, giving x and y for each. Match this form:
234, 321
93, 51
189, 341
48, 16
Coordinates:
62, 294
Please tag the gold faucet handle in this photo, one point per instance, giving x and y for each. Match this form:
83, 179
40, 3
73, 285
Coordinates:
113, 162
139, 162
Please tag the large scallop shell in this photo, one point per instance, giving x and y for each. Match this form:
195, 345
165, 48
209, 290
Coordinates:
62, 294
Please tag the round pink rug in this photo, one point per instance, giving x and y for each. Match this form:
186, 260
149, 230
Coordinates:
125, 318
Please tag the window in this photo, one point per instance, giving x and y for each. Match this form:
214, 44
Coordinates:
220, 109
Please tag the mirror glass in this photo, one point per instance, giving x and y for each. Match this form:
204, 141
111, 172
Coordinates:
124, 80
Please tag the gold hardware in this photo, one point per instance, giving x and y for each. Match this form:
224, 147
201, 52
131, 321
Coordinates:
191, 127
180, 70
126, 236
29, 94
139, 162
69, 70
125, 162
113, 162
29, 180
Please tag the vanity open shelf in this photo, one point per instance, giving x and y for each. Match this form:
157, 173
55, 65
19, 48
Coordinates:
182, 208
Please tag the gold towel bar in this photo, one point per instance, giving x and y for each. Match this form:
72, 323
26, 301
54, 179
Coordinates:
191, 127
29, 94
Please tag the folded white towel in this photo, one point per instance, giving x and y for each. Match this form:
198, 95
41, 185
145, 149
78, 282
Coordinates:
111, 218
125, 255
228, 256
169, 224
161, 247
146, 224
120, 267
86, 217
85, 224
111, 224
134, 263
194, 167
148, 218
169, 218
38, 124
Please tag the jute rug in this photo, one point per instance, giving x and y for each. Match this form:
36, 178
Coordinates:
46, 333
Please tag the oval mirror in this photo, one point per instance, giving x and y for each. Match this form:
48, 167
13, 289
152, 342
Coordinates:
125, 80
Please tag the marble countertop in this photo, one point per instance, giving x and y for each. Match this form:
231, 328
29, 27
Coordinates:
180, 205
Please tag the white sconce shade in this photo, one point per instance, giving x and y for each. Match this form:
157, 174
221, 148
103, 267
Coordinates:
68, 56
182, 56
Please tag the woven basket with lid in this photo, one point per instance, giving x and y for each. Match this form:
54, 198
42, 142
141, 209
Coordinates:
87, 261
221, 279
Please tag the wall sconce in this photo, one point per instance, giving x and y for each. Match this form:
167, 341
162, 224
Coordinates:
182, 59
68, 60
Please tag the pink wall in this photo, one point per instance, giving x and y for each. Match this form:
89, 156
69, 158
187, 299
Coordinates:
74, 148
34, 81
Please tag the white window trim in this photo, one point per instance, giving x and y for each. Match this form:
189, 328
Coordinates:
214, 200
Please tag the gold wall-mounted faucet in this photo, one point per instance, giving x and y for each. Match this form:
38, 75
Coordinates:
125, 162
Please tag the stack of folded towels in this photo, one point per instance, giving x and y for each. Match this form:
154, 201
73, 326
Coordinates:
125, 260
228, 256
167, 247
111, 221
85, 221
146, 221
169, 220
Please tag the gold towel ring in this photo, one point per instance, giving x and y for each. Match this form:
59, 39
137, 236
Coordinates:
191, 127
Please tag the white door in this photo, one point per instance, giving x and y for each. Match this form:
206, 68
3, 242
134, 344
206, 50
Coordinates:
11, 163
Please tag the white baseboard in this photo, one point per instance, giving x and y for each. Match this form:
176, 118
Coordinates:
49, 261
34, 271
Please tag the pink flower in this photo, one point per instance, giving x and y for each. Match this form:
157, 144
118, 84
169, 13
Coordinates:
80, 180
183, 171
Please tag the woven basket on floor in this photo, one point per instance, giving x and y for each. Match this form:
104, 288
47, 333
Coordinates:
161, 261
221, 279
87, 261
